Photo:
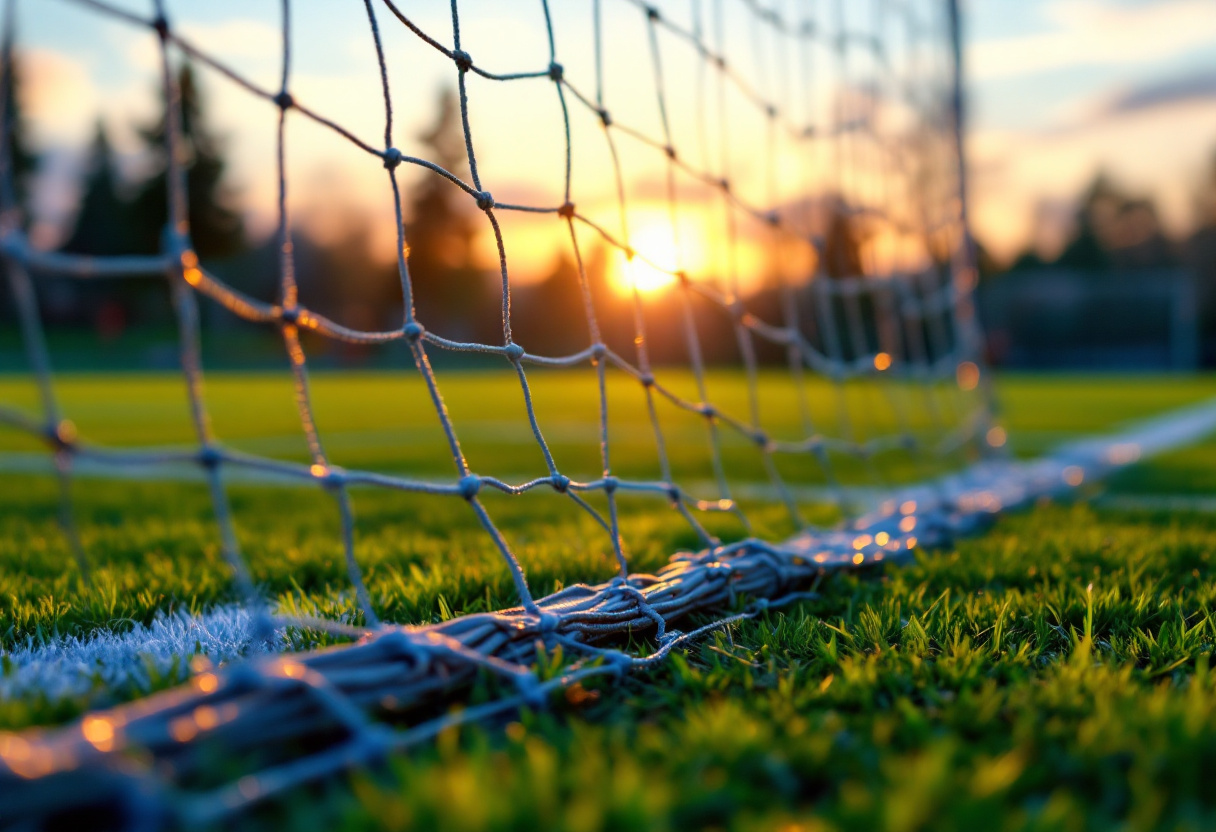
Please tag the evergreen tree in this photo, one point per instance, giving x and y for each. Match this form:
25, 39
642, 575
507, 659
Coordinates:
449, 289
1086, 250
1116, 231
21, 161
842, 245
104, 225
1205, 197
21, 156
216, 228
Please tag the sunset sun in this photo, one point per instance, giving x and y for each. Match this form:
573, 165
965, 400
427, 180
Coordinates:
650, 269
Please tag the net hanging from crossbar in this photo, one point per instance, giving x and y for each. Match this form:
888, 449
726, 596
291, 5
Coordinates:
825, 135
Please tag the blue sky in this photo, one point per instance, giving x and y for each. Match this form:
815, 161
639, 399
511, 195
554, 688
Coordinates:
1057, 89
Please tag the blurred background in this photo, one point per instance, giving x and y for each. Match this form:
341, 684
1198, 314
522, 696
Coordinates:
1092, 162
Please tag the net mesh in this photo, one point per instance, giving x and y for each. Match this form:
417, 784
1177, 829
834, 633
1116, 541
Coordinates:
823, 135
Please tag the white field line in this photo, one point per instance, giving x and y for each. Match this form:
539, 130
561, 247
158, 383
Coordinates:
79, 666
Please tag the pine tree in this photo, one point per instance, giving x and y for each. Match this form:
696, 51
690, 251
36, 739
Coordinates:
448, 286
104, 225
842, 245
1205, 197
22, 158
1087, 250
216, 228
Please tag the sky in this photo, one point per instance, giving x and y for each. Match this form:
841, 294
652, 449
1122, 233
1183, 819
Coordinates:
1056, 92
1060, 90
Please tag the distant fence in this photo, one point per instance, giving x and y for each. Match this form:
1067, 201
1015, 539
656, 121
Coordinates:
1092, 320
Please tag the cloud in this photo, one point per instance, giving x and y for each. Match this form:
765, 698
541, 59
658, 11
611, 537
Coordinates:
1192, 88
1157, 148
1093, 33
58, 95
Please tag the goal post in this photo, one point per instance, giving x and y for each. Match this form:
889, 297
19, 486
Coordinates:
752, 197
884, 261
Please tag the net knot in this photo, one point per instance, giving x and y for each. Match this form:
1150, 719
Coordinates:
670, 636
210, 457
413, 330
160, 24
598, 351
560, 483
708, 410
463, 60
513, 351
737, 308
647, 379
774, 218
673, 493
392, 158
556, 72
605, 118
284, 101
761, 439
469, 486
771, 110
653, 13
62, 434
611, 484
289, 315
566, 211
484, 201
724, 184
546, 622
670, 151
682, 276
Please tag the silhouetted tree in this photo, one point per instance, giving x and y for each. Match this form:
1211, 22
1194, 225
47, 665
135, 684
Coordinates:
1085, 250
104, 225
1116, 230
1201, 257
21, 159
842, 245
550, 316
449, 290
1204, 200
216, 227
21, 156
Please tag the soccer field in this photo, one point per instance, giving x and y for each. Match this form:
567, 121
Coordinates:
1049, 674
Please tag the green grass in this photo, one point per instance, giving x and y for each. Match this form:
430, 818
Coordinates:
1051, 674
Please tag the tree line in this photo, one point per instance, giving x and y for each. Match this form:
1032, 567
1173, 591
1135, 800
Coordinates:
453, 295
1114, 230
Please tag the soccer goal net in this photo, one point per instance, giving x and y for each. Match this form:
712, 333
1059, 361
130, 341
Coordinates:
760, 215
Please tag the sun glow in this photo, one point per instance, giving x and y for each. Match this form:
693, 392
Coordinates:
657, 257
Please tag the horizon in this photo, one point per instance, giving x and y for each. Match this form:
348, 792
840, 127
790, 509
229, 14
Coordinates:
1056, 94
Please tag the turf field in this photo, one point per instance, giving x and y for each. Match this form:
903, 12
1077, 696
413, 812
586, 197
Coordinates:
1052, 674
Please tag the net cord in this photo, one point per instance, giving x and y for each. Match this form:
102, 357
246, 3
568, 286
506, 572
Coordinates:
932, 317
